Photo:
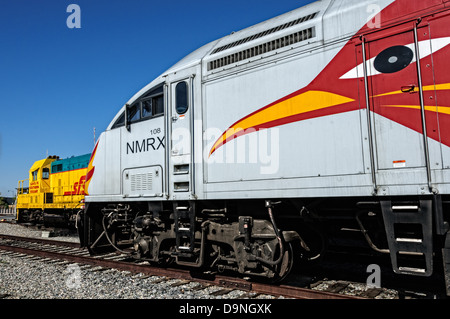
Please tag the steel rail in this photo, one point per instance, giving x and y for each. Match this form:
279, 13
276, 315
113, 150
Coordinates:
41, 241
235, 283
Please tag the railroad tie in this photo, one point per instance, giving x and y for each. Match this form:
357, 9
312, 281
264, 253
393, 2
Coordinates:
371, 293
221, 292
157, 281
337, 287
200, 287
180, 283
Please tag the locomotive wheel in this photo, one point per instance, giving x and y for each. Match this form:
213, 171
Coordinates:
283, 269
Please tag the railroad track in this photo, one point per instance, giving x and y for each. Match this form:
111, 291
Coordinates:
70, 252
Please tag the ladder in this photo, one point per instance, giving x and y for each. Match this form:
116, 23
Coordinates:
409, 230
184, 229
446, 257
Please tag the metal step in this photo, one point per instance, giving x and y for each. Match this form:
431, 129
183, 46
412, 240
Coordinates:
184, 228
446, 261
416, 221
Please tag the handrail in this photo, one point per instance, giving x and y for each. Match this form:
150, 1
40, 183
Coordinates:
369, 122
20, 186
422, 109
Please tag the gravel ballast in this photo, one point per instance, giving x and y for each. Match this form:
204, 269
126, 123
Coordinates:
28, 277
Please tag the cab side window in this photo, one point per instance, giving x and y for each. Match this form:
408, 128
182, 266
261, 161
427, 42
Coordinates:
158, 105
149, 106
134, 113
147, 110
121, 121
182, 98
45, 173
153, 105
35, 175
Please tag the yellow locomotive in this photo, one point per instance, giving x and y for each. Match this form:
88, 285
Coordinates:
54, 191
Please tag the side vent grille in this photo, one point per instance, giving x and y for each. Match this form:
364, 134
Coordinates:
263, 48
264, 33
141, 182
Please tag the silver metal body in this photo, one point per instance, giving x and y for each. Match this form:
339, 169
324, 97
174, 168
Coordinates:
342, 155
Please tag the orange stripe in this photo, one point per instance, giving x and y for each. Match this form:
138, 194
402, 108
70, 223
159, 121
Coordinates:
298, 104
438, 87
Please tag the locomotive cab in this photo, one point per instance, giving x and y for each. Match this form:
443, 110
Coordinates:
31, 199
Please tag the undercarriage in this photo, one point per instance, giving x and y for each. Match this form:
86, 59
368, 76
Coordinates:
207, 238
264, 239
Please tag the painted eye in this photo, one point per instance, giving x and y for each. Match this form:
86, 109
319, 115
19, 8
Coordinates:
393, 59
396, 58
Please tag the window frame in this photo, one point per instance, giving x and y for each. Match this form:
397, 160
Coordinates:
137, 115
186, 97
151, 94
45, 171
150, 114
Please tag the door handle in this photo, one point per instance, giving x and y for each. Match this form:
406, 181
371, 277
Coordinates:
409, 88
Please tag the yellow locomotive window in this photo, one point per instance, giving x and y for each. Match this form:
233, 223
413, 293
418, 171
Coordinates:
45, 173
35, 175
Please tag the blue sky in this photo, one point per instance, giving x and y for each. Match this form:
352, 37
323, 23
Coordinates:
57, 84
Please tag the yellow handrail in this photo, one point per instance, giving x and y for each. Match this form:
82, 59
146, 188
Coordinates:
20, 186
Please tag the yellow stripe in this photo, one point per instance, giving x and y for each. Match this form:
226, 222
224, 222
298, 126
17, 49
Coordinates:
302, 103
438, 87
436, 109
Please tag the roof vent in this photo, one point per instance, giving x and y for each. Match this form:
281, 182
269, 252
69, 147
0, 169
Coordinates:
287, 40
267, 32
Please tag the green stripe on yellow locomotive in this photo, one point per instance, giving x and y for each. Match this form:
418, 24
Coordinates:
55, 191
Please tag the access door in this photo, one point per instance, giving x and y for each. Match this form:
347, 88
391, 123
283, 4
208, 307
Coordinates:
395, 102
440, 66
399, 121
181, 126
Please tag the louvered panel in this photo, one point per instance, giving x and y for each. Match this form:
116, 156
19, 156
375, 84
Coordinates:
265, 33
141, 182
263, 48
